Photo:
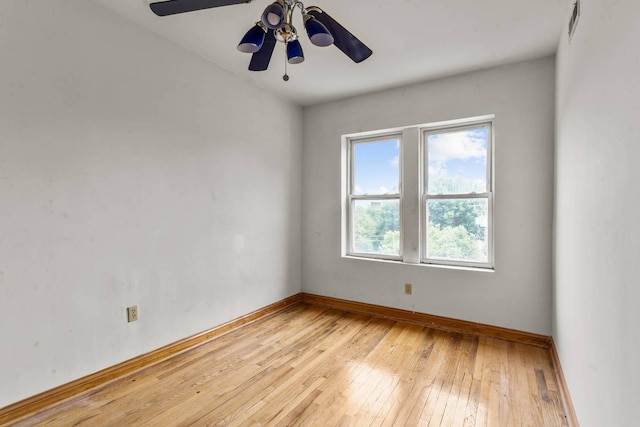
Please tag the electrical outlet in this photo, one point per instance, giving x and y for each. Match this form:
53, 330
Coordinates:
132, 313
408, 288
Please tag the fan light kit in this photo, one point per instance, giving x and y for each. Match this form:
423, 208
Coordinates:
276, 25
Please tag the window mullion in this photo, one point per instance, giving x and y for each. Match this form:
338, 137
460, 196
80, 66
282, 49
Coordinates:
410, 196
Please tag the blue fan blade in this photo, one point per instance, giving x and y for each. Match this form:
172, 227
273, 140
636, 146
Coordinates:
343, 39
171, 7
260, 60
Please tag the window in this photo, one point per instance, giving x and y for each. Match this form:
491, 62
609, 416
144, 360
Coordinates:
443, 212
457, 195
374, 197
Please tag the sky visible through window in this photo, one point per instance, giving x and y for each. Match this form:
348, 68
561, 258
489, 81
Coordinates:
376, 167
457, 161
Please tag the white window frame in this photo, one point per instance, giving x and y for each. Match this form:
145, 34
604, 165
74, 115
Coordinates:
488, 194
352, 198
413, 164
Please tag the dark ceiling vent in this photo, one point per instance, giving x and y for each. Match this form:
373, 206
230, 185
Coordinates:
573, 22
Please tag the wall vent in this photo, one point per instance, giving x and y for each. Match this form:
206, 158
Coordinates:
575, 15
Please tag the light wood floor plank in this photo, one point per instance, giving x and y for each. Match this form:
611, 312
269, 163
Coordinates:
314, 366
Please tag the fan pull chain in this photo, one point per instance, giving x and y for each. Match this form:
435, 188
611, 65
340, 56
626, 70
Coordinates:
286, 76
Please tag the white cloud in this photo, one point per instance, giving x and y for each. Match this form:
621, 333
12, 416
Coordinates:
455, 146
358, 190
395, 161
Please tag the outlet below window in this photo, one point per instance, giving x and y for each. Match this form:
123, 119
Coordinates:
408, 288
132, 313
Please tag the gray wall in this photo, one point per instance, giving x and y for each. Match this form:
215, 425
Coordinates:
518, 293
131, 172
597, 244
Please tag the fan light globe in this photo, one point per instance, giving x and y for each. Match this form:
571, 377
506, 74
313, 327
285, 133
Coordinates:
253, 40
294, 52
318, 33
273, 16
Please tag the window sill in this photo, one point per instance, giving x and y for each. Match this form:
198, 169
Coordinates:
438, 266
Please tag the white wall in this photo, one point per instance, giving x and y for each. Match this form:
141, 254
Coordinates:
518, 294
597, 244
131, 172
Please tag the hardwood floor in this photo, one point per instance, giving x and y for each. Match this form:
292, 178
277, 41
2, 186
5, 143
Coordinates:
311, 365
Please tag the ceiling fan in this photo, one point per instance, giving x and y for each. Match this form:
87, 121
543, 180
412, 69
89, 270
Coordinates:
276, 25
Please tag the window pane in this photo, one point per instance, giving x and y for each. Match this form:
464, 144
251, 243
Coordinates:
457, 161
375, 167
376, 225
457, 229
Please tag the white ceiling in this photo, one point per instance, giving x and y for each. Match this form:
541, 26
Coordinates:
412, 40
